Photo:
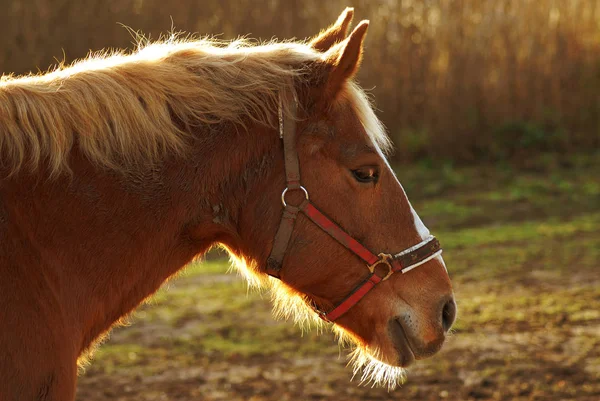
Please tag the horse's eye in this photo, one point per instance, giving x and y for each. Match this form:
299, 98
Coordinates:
366, 174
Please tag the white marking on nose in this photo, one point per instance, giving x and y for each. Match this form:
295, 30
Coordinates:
441, 260
424, 233
421, 229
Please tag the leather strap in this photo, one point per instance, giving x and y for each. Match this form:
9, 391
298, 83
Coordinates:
406, 261
352, 299
401, 262
287, 125
338, 234
281, 240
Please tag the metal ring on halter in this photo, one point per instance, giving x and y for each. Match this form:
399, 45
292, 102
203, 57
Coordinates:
285, 190
384, 259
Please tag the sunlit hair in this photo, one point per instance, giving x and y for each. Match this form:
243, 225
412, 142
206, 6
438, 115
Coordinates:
362, 106
291, 305
133, 108
124, 109
366, 363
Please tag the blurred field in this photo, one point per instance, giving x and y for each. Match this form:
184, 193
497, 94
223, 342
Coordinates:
523, 251
463, 80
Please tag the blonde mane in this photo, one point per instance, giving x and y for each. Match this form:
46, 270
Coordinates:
131, 109
121, 108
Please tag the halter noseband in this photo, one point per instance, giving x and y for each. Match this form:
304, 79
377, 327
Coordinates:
380, 266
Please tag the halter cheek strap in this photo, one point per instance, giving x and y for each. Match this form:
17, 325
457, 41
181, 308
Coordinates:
381, 266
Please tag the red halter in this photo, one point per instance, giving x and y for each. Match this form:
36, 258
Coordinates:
381, 266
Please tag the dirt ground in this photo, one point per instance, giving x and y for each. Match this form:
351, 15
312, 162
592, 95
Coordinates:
523, 251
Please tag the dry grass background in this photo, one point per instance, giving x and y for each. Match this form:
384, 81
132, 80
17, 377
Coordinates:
466, 80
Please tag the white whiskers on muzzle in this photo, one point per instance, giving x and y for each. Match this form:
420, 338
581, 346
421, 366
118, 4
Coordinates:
374, 372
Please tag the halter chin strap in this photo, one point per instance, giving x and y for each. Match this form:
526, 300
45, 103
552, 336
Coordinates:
380, 266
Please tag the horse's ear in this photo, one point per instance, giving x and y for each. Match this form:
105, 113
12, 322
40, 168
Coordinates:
344, 59
335, 33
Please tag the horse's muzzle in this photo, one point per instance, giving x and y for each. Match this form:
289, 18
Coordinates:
417, 337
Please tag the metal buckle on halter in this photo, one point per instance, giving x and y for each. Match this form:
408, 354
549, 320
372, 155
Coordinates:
285, 191
384, 259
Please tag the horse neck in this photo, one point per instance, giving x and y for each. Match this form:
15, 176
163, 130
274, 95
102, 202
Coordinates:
247, 209
101, 242
214, 196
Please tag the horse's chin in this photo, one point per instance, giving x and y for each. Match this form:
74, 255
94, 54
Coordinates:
392, 346
379, 362
403, 356
373, 368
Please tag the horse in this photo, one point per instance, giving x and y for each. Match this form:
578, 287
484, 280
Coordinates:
118, 170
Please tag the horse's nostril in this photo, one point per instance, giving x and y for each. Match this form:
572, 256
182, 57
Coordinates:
448, 314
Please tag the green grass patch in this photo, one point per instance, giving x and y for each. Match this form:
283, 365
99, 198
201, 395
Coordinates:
526, 309
522, 232
199, 268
